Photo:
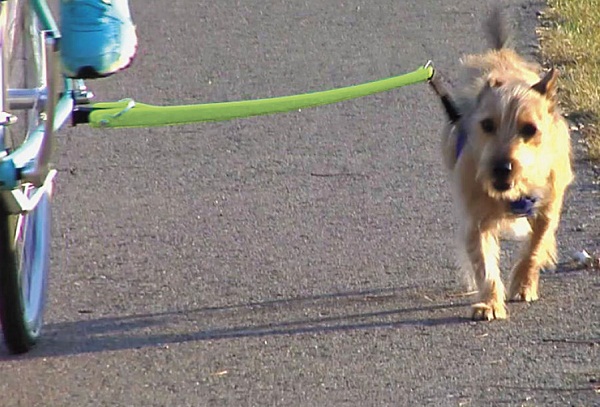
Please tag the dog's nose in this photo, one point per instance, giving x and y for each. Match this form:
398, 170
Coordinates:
502, 169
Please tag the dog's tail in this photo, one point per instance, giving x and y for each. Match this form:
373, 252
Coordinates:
496, 29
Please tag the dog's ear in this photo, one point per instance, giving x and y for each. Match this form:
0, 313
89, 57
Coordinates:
547, 85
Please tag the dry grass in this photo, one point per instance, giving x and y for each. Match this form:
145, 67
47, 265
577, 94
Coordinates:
570, 38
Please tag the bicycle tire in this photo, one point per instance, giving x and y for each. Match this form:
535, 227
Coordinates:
24, 238
22, 302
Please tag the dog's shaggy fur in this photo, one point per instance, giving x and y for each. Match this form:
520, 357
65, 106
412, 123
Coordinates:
516, 145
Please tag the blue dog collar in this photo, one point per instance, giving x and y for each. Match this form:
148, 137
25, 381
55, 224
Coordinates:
524, 206
521, 207
461, 140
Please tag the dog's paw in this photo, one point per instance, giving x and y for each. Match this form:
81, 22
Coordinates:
527, 293
525, 282
487, 311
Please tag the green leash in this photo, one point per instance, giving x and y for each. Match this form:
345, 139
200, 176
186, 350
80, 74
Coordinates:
127, 113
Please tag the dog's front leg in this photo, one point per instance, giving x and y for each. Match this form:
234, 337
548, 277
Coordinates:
483, 250
538, 253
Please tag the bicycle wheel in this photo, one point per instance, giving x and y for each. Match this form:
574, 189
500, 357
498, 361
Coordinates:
24, 238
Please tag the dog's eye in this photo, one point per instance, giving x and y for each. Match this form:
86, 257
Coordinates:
528, 130
488, 125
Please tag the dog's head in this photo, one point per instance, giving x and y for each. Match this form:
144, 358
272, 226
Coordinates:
512, 131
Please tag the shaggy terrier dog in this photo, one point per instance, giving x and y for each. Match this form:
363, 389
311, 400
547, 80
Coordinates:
508, 155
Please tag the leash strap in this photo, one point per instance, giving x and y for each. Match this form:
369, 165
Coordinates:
128, 113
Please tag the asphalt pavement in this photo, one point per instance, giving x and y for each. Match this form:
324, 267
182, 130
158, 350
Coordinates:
301, 259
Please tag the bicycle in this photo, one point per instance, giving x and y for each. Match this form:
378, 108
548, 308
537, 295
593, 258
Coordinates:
36, 101
29, 83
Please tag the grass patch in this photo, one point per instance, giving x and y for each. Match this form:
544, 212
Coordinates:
570, 39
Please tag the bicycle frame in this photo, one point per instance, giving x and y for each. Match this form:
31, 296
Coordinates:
29, 163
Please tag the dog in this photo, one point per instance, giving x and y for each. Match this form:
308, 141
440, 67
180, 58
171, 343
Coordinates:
509, 159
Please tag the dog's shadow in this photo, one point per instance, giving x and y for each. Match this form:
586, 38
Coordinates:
324, 313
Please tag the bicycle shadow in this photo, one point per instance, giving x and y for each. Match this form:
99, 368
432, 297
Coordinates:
268, 318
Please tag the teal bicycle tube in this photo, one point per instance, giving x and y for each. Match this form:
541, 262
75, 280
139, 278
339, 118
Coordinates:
44, 14
127, 113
